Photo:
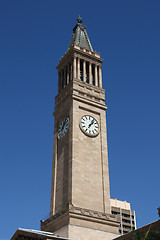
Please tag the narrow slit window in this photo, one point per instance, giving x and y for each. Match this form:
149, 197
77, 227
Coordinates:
98, 75
93, 74
81, 70
76, 67
87, 72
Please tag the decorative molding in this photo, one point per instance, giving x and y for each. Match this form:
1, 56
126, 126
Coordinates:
71, 209
84, 54
78, 88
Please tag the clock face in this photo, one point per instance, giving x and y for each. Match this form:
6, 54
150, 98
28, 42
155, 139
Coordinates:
63, 127
89, 125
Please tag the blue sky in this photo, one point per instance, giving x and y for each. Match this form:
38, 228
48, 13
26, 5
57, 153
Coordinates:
34, 35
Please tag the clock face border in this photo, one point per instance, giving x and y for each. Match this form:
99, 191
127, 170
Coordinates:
67, 128
86, 133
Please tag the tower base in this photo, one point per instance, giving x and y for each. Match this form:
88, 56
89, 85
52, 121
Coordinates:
82, 224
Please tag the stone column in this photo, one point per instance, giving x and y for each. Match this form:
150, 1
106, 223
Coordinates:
65, 76
67, 73
71, 73
62, 78
90, 73
84, 71
59, 81
100, 77
74, 67
96, 77
78, 69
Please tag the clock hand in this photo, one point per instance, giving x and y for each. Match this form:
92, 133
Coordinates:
91, 123
63, 124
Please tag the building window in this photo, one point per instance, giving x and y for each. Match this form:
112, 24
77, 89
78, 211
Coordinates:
115, 213
128, 227
76, 67
81, 70
87, 72
125, 215
98, 75
126, 221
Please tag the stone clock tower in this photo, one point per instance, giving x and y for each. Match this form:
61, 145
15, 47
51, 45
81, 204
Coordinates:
80, 190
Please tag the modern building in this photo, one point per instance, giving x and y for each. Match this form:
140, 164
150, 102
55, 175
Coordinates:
127, 217
151, 229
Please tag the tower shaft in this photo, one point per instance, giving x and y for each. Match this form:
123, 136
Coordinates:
80, 190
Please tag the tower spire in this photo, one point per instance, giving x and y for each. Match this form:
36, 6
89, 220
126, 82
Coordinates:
80, 37
79, 19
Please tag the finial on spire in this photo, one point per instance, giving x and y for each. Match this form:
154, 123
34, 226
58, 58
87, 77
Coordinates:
80, 37
79, 19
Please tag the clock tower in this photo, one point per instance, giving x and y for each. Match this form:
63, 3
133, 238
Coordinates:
80, 189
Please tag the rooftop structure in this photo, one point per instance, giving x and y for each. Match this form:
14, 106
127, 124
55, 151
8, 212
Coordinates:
80, 37
153, 230
30, 234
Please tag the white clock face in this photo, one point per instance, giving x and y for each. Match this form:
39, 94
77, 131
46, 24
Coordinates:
63, 127
89, 125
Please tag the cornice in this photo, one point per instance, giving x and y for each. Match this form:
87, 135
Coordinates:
81, 53
84, 214
81, 91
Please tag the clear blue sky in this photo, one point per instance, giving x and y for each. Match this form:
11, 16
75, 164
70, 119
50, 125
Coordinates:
34, 35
